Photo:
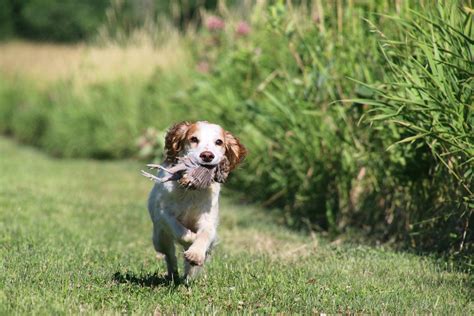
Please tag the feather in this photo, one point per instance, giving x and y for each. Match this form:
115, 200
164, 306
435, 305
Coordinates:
188, 173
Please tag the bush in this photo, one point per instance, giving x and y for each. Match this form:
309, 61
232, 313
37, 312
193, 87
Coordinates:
66, 20
99, 121
6, 19
23, 111
8, 101
277, 90
70, 20
428, 99
317, 159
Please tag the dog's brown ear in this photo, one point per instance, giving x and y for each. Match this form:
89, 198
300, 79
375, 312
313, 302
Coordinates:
174, 140
234, 151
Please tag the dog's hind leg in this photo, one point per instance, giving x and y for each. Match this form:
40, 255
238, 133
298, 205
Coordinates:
164, 244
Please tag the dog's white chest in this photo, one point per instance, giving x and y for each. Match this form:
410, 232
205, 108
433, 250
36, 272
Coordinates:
187, 206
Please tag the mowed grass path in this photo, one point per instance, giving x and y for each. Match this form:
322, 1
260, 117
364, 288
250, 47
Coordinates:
75, 237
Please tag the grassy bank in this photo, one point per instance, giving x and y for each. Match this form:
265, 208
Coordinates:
75, 237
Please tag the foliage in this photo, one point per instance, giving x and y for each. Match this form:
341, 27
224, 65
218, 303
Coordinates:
428, 99
126, 16
71, 21
102, 123
6, 20
277, 90
318, 159
66, 20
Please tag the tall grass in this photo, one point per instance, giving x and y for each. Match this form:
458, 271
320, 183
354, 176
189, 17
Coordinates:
326, 164
278, 88
428, 99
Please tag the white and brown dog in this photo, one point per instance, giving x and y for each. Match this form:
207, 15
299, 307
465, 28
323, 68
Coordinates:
190, 217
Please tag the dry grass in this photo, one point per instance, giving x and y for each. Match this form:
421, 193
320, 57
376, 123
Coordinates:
253, 232
285, 247
86, 64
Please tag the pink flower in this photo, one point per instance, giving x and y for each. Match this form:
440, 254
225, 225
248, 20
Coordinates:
315, 17
142, 141
243, 29
214, 23
203, 67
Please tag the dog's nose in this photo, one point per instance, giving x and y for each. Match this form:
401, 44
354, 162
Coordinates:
206, 156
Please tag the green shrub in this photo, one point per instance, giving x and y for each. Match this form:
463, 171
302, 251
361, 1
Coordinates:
23, 111
276, 89
6, 19
101, 123
66, 20
126, 16
30, 119
428, 98
8, 99
318, 159
70, 20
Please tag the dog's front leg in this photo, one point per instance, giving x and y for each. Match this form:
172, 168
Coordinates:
206, 234
180, 233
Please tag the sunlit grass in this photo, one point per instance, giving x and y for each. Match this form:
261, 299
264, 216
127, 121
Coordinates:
86, 63
75, 237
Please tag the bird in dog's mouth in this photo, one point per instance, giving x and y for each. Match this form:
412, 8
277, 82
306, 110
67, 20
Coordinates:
191, 174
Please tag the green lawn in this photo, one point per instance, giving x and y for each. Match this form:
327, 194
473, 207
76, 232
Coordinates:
75, 237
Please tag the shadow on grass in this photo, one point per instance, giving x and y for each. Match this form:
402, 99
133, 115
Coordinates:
147, 280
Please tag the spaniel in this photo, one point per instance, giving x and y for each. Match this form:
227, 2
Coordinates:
190, 217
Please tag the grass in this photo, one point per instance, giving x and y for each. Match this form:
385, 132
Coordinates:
427, 97
84, 64
75, 237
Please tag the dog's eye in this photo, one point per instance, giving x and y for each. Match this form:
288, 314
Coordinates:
194, 139
219, 142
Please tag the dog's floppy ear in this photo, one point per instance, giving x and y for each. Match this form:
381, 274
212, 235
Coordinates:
234, 151
174, 140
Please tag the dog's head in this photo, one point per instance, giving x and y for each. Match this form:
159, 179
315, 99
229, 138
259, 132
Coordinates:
208, 144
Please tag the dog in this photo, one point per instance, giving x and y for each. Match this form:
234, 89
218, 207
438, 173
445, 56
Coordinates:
190, 217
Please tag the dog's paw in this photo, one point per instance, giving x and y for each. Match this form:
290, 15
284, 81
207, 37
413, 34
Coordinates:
195, 257
188, 239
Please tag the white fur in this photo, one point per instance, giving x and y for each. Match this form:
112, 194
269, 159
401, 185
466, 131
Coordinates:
207, 134
188, 217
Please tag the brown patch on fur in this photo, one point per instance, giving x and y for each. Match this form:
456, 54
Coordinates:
235, 151
178, 134
192, 128
174, 140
